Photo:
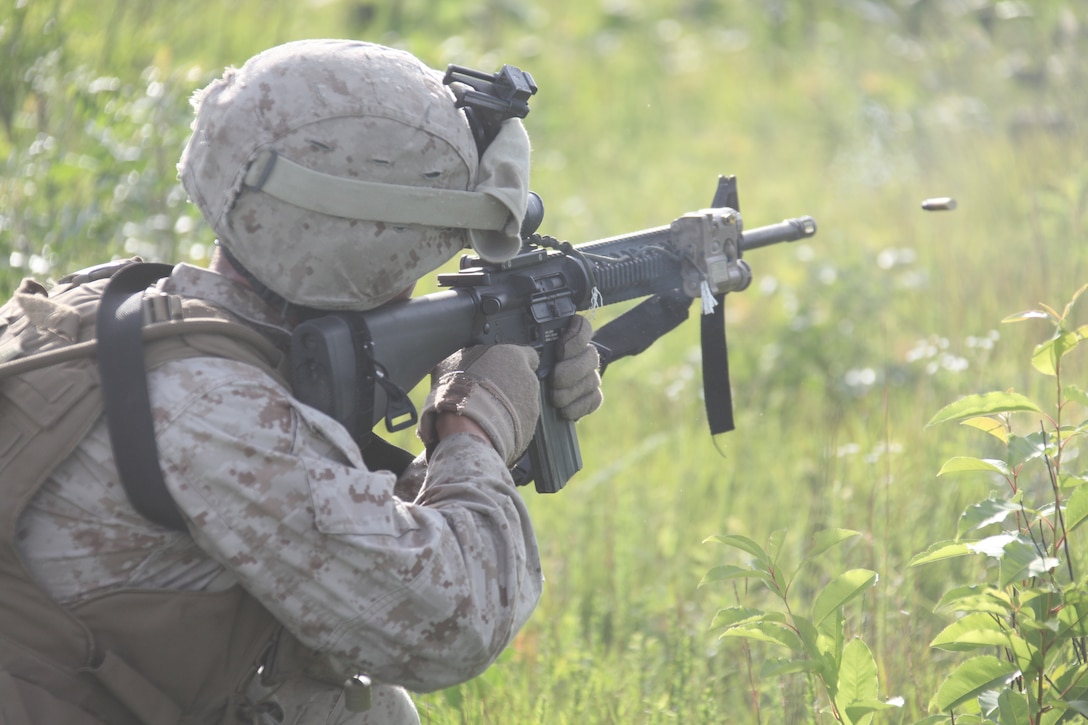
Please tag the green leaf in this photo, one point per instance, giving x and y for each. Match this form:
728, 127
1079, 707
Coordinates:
766, 632
1078, 706
1048, 355
1026, 654
1012, 708
1020, 560
809, 637
857, 674
841, 590
727, 572
1076, 508
824, 540
992, 546
732, 616
1025, 448
940, 551
1070, 481
972, 678
984, 404
960, 464
774, 546
993, 426
971, 632
823, 650
744, 544
1075, 393
830, 639
1073, 618
983, 514
778, 668
1073, 681
976, 598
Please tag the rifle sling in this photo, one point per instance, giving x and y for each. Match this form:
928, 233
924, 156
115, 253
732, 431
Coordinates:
638, 328
641, 326
717, 393
381, 455
123, 376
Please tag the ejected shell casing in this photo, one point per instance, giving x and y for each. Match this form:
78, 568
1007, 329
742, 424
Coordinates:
939, 203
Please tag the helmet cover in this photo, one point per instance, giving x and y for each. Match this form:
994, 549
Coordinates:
352, 110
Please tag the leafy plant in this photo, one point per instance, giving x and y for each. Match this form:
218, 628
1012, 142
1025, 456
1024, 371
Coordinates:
1026, 623
816, 640
69, 201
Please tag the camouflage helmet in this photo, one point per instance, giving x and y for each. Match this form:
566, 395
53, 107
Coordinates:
337, 173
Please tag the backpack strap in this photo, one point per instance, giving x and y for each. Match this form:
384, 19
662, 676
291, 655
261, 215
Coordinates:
122, 369
123, 376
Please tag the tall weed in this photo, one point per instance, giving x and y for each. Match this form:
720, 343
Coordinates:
1025, 620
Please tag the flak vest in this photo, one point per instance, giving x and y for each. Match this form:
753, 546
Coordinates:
131, 656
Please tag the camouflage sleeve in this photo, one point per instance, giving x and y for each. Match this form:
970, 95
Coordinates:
423, 594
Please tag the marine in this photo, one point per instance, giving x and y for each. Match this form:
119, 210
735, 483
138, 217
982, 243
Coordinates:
302, 586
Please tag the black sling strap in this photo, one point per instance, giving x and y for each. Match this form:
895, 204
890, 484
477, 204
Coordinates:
717, 390
123, 375
381, 455
635, 330
638, 328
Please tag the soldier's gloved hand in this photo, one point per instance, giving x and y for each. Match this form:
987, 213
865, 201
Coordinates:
496, 387
576, 382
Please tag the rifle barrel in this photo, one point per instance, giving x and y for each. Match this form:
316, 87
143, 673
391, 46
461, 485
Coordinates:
789, 230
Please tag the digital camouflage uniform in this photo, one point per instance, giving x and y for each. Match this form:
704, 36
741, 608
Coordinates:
423, 593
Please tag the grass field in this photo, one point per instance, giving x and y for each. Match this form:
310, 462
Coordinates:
841, 351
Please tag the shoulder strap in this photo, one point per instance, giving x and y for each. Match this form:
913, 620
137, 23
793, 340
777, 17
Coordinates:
127, 402
122, 371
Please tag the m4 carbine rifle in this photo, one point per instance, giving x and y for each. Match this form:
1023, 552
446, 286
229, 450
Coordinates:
357, 366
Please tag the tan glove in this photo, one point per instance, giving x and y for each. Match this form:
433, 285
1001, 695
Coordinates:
576, 382
495, 386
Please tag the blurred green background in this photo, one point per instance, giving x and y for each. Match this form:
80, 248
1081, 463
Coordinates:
852, 111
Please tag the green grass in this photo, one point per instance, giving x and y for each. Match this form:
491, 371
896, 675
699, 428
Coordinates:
841, 351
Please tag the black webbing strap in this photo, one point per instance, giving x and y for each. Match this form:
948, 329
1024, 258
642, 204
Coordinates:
638, 328
717, 391
381, 455
123, 375
641, 326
